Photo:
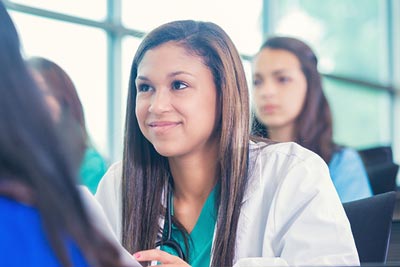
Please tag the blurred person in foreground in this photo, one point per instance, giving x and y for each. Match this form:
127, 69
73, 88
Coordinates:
44, 219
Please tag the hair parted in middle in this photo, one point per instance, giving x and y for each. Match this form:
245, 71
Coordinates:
313, 126
146, 173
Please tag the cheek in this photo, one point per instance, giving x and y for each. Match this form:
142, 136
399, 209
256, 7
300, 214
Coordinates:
54, 108
256, 97
214, 110
298, 101
140, 112
204, 113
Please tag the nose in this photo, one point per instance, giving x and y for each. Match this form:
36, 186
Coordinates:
267, 89
160, 101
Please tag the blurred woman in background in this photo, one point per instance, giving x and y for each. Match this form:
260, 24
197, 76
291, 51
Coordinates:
62, 97
289, 105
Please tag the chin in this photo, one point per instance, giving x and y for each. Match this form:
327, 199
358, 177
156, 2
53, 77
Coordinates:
272, 122
166, 151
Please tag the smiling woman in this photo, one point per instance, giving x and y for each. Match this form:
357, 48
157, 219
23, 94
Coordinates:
193, 182
168, 102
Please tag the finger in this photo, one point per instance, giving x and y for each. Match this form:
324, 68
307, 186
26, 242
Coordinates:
157, 255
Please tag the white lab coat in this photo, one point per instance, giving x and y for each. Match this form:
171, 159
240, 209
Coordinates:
100, 222
291, 213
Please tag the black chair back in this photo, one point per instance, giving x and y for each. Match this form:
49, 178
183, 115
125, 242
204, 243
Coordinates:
376, 155
381, 170
371, 221
382, 177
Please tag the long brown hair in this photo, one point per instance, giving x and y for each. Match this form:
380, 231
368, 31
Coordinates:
313, 126
145, 172
36, 164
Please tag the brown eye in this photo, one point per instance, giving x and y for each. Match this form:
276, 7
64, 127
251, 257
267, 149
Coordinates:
283, 79
143, 87
178, 85
257, 82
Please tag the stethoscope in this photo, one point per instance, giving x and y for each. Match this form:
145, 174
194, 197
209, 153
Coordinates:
166, 239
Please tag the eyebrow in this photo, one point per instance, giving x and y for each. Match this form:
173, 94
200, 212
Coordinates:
274, 73
280, 71
142, 78
170, 75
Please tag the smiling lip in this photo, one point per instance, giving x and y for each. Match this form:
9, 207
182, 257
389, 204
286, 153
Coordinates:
162, 126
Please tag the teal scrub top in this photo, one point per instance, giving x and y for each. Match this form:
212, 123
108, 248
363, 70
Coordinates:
201, 238
92, 169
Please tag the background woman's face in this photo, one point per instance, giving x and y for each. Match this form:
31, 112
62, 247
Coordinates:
51, 101
279, 87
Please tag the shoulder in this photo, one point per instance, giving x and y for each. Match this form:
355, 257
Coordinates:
349, 175
281, 155
345, 153
113, 176
273, 165
21, 231
91, 151
115, 169
109, 195
110, 185
286, 149
17, 212
345, 157
92, 156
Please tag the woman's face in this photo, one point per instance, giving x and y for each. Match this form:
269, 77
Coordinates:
279, 88
176, 102
51, 101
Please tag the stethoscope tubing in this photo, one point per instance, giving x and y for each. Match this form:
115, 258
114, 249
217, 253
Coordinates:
169, 241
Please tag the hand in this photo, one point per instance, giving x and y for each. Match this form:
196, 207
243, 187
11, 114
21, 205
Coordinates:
166, 259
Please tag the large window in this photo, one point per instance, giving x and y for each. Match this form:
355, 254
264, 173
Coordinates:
129, 46
81, 51
351, 40
357, 43
360, 115
90, 9
95, 40
240, 19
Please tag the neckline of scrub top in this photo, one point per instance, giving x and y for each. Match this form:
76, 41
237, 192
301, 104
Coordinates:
201, 238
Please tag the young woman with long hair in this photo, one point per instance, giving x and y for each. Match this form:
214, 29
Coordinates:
192, 188
290, 105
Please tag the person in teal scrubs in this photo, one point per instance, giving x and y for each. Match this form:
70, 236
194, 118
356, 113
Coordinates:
193, 188
63, 100
92, 168
290, 105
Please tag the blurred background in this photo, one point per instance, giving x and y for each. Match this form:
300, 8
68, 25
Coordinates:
357, 43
